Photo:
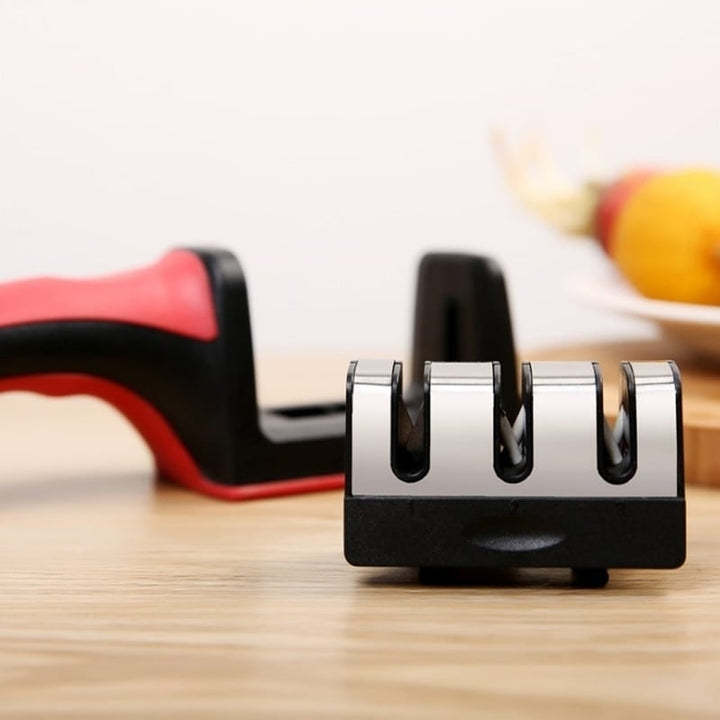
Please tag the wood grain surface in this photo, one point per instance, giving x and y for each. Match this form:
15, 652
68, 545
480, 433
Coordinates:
122, 598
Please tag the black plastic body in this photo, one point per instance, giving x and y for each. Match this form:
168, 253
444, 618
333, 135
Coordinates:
464, 532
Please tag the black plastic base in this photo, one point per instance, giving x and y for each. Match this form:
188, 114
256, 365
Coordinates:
588, 535
590, 577
507, 577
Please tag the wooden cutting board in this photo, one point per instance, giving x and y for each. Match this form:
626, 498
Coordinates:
701, 396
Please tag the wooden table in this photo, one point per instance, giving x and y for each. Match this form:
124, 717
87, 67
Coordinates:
120, 598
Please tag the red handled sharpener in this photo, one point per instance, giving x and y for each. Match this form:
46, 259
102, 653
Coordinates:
170, 346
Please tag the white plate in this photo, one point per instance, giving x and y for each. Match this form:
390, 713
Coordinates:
696, 326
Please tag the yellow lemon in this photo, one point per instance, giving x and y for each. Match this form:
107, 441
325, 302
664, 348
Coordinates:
666, 237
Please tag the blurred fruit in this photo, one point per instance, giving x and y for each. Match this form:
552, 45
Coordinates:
665, 236
662, 230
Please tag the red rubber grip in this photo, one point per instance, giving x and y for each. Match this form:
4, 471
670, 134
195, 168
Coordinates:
173, 461
173, 295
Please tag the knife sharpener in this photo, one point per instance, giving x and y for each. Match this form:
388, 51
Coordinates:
170, 346
453, 480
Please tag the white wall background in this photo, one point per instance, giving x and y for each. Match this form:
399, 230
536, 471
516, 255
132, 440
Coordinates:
330, 143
